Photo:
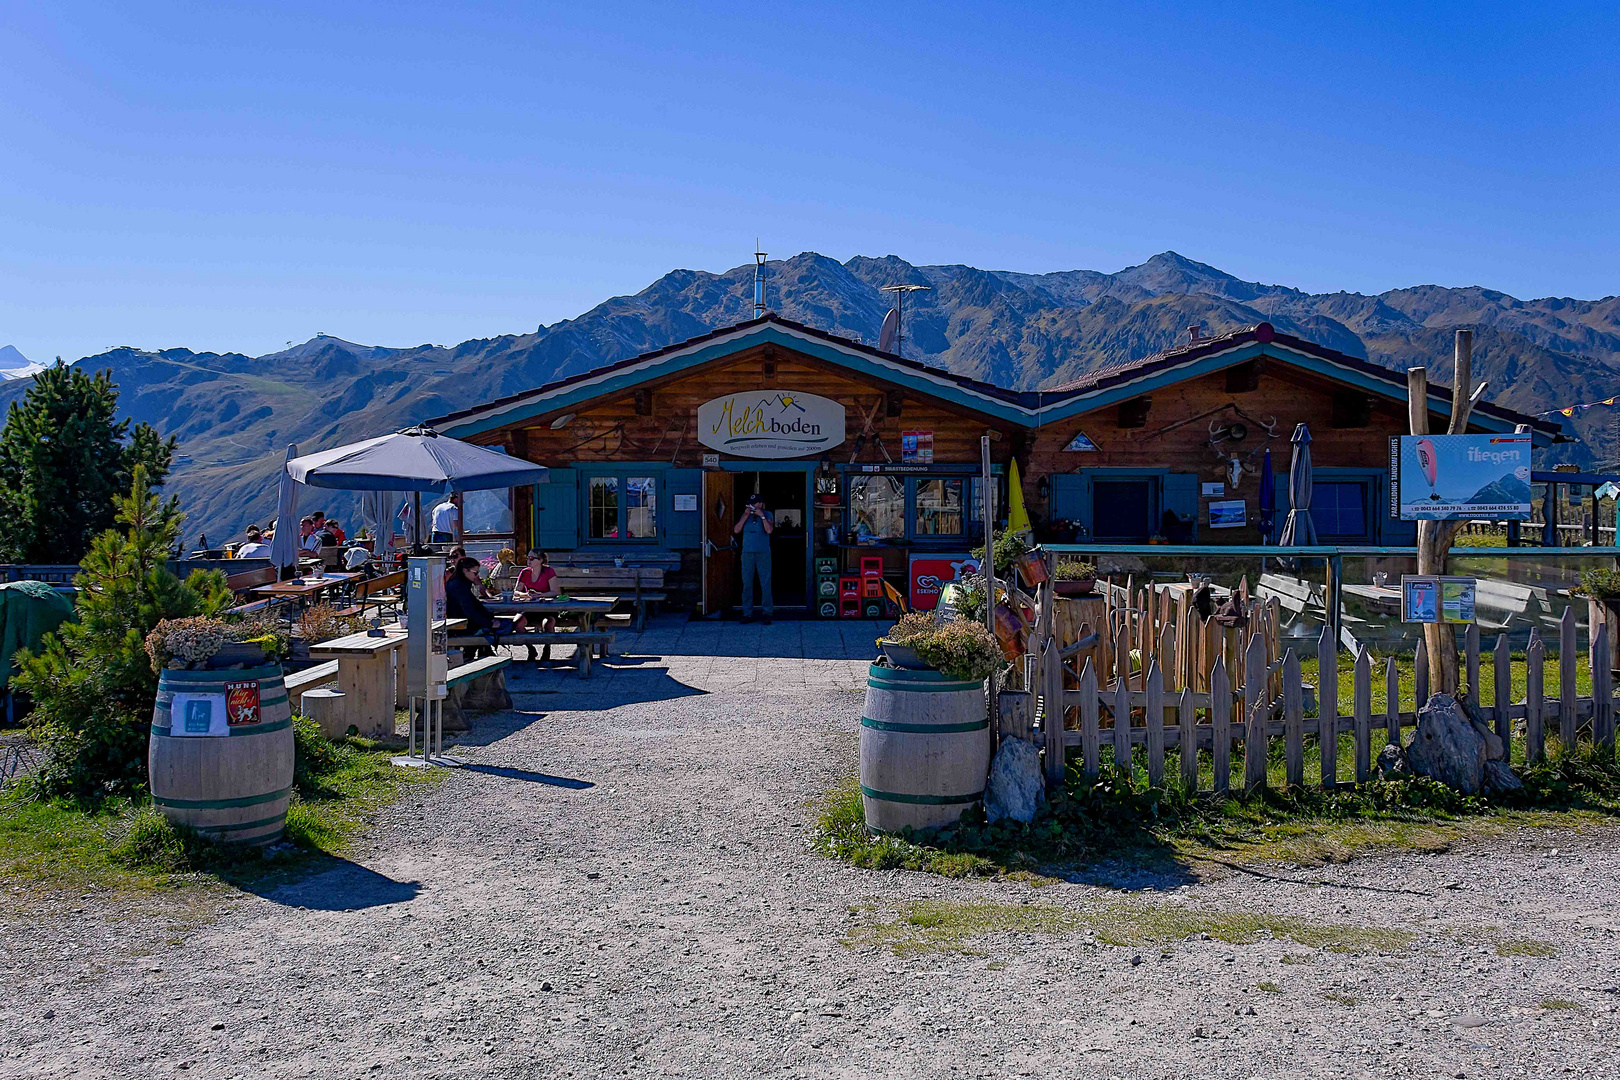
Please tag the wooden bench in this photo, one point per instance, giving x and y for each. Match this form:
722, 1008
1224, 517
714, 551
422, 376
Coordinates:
587, 643
245, 582
309, 678
645, 584
381, 591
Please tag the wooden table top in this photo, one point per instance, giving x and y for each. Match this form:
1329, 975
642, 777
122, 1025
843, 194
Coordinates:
577, 605
361, 644
304, 587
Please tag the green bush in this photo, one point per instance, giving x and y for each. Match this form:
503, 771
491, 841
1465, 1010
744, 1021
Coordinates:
1008, 547
314, 755
144, 839
961, 649
92, 682
1600, 583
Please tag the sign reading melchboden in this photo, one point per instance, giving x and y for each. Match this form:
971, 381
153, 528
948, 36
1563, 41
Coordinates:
771, 424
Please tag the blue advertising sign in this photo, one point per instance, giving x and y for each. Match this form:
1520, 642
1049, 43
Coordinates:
1439, 477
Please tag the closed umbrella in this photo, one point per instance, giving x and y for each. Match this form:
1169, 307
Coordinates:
1298, 529
1268, 497
284, 545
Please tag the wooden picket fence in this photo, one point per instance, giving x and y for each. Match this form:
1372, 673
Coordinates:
1241, 701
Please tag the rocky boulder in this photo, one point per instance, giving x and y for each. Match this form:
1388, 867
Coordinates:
1447, 747
1016, 789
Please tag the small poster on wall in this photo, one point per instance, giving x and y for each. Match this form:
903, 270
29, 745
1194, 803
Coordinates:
685, 503
1427, 598
1081, 444
917, 447
1227, 514
1214, 491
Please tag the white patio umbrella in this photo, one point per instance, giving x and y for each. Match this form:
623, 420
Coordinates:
284, 545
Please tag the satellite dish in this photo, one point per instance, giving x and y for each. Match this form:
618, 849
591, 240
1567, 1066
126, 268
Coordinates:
891, 327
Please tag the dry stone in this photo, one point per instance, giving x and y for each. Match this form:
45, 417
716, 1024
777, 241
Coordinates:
1016, 789
1446, 746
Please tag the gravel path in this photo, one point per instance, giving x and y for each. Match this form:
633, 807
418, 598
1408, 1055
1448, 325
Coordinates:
622, 886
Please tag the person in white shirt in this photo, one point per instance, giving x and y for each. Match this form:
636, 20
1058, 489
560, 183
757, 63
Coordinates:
447, 520
255, 546
308, 539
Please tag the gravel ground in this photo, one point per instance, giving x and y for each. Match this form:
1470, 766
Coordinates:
622, 885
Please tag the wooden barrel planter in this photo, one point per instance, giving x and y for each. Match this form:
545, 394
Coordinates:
221, 753
925, 748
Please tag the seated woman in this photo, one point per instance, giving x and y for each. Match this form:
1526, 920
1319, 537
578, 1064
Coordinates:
461, 602
539, 580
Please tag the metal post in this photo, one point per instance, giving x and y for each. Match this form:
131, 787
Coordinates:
1335, 595
988, 510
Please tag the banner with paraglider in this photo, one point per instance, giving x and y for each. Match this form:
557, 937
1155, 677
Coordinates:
1438, 477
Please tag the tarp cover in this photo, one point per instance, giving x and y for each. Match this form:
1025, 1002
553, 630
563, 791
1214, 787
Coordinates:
416, 459
28, 611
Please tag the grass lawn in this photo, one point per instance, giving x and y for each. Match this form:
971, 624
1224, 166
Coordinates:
121, 846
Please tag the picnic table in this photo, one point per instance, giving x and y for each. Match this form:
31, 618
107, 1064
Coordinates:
586, 609
369, 677
303, 589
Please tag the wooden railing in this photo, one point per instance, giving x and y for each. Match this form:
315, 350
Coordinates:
1231, 695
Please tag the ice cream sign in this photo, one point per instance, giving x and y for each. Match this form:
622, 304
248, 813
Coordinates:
1437, 477
771, 424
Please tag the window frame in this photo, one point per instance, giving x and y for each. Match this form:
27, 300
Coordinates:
972, 526
622, 473
1367, 480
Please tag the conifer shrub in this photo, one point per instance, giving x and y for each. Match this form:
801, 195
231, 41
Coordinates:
92, 682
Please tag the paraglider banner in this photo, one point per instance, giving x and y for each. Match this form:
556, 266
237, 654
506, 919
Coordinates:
1437, 477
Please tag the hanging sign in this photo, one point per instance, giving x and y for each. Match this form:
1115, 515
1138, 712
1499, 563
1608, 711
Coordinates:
917, 446
1081, 444
1440, 477
771, 424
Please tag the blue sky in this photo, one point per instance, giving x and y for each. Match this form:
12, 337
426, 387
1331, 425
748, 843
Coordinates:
234, 176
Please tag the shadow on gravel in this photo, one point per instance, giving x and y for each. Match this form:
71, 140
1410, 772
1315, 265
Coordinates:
339, 885
531, 777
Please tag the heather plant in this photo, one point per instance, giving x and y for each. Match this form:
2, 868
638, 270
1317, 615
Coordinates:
961, 648
92, 682
180, 642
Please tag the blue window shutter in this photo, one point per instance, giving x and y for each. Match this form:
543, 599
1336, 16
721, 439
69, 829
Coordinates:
684, 528
1390, 532
556, 511
1071, 499
1181, 497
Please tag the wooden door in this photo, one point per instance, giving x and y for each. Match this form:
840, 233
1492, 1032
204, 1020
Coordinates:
719, 545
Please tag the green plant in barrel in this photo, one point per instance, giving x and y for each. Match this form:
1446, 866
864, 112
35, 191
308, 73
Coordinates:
960, 648
93, 683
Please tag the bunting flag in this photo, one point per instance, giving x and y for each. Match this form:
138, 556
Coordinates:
1571, 410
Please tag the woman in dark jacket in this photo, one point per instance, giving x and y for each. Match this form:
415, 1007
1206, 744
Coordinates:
461, 602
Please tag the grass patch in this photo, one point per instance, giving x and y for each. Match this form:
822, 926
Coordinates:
1560, 1003
1119, 816
1269, 987
127, 845
930, 926
1525, 947
1346, 1000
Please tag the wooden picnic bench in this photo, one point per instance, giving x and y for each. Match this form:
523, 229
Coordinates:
244, 583
383, 591
587, 642
640, 586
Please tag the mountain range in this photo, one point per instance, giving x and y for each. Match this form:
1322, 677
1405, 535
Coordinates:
234, 415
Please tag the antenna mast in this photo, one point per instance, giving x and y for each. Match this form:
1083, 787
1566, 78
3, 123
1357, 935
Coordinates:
759, 280
899, 328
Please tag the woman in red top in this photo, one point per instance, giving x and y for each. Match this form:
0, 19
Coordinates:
539, 580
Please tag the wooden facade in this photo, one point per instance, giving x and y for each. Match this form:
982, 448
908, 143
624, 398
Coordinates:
1171, 446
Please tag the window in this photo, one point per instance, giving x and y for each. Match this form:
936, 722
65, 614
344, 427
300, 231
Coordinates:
602, 508
937, 508
641, 507
1339, 509
877, 506
1122, 510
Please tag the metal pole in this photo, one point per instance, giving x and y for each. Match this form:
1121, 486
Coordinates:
1335, 595
988, 510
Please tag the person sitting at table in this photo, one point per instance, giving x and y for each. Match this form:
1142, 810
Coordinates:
326, 524
539, 580
461, 602
255, 546
308, 539
457, 553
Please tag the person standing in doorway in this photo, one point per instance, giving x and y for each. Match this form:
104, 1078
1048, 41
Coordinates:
756, 525
447, 520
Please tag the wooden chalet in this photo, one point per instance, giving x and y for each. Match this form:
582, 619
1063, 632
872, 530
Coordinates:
863, 454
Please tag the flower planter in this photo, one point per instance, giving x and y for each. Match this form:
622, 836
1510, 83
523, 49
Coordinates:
231, 653
1076, 587
903, 656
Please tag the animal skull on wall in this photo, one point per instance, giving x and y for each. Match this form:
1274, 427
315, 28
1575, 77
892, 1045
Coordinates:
1234, 466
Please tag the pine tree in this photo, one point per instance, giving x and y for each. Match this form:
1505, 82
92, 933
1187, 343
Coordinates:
92, 684
64, 457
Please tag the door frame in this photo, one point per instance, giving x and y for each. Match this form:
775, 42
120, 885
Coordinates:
707, 544
808, 467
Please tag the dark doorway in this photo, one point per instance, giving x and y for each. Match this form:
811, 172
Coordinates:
787, 499
1122, 509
